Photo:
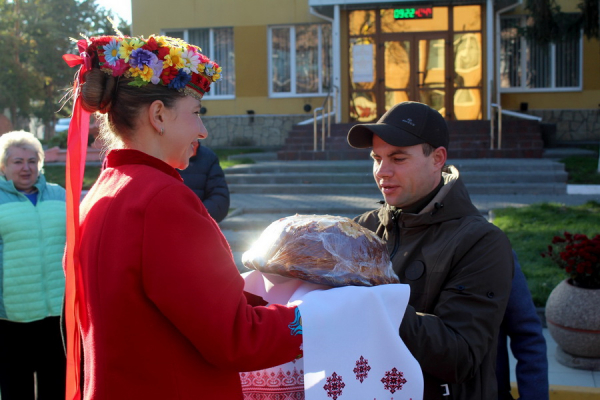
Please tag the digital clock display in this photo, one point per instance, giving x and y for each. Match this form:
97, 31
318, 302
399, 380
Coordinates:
413, 13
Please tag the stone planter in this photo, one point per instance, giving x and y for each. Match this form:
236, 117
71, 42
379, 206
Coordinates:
573, 318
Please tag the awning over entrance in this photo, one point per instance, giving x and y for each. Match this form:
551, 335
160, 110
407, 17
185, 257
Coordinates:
317, 3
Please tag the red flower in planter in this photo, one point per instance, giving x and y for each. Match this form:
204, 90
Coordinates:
579, 256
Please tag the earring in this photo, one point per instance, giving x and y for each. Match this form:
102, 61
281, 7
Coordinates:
162, 131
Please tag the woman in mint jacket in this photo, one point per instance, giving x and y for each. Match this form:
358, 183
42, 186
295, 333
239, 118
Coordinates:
32, 240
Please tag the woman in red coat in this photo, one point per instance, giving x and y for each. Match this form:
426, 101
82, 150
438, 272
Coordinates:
167, 317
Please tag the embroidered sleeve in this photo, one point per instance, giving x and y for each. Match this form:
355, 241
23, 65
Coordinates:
296, 325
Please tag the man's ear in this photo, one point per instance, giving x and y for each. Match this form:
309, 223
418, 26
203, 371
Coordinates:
440, 155
156, 115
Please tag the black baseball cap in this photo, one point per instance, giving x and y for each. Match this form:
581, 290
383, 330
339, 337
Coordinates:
405, 124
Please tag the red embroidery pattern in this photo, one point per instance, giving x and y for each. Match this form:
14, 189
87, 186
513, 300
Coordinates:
273, 385
393, 380
334, 386
362, 369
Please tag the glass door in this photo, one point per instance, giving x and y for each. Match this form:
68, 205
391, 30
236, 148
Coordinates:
414, 68
399, 68
431, 79
437, 61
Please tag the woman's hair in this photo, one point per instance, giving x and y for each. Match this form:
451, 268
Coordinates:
23, 140
122, 75
118, 104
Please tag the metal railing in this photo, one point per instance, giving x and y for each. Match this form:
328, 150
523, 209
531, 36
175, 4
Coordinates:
505, 112
492, 133
325, 111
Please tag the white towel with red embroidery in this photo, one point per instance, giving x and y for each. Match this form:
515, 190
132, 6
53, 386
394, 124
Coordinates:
352, 349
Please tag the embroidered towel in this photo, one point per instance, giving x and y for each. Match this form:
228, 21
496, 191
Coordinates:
352, 349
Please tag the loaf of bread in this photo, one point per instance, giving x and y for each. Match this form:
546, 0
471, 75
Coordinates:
322, 249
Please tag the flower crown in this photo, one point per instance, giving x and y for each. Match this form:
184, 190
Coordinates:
160, 60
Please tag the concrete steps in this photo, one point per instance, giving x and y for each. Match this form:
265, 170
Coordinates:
370, 188
468, 139
481, 176
340, 166
314, 178
269, 190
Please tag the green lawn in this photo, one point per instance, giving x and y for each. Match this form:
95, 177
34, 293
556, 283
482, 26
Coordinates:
531, 229
56, 173
224, 153
582, 170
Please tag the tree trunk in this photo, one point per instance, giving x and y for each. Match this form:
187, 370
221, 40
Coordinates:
49, 122
13, 117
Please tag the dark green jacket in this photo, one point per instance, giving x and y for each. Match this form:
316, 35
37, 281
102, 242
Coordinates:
459, 268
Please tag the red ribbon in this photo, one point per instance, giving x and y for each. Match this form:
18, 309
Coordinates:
75, 310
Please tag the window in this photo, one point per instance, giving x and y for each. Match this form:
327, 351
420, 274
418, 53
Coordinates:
216, 44
525, 65
300, 60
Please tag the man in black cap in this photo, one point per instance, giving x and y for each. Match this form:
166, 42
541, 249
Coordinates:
458, 265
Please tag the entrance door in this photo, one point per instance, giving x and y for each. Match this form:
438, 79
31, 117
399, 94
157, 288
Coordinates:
437, 61
413, 68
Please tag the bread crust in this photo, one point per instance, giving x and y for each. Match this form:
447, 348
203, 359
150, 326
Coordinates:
323, 249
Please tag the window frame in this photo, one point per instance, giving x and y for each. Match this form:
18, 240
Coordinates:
211, 48
292, 33
524, 43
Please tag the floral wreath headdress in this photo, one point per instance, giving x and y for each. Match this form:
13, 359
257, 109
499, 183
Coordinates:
157, 60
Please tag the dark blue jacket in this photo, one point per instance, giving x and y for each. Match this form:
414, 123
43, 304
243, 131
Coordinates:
206, 178
522, 325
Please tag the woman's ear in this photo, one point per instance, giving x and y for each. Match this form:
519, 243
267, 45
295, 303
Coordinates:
156, 115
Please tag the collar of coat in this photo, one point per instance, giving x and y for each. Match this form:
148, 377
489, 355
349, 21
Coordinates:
9, 186
451, 202
116, 158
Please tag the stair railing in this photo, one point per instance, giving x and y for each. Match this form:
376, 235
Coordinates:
499, 107
505, 112
326, 110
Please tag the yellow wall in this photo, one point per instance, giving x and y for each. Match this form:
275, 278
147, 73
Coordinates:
149, 16
250, 21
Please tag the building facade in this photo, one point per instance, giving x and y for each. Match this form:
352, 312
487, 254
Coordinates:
283, 58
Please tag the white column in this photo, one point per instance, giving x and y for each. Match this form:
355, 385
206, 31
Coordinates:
337, 67
490, 56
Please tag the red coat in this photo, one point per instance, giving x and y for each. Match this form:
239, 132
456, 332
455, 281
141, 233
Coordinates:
168, 318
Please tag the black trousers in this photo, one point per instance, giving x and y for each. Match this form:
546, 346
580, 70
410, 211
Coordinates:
27, 349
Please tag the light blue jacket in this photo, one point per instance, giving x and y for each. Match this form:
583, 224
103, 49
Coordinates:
32, 243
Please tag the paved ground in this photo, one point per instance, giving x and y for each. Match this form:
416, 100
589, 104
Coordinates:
561, 375
275, 203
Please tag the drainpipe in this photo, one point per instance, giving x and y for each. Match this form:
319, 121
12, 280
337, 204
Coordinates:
317, 14
336, 46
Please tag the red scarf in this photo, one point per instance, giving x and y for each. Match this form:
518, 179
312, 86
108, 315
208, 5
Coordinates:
75, 312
